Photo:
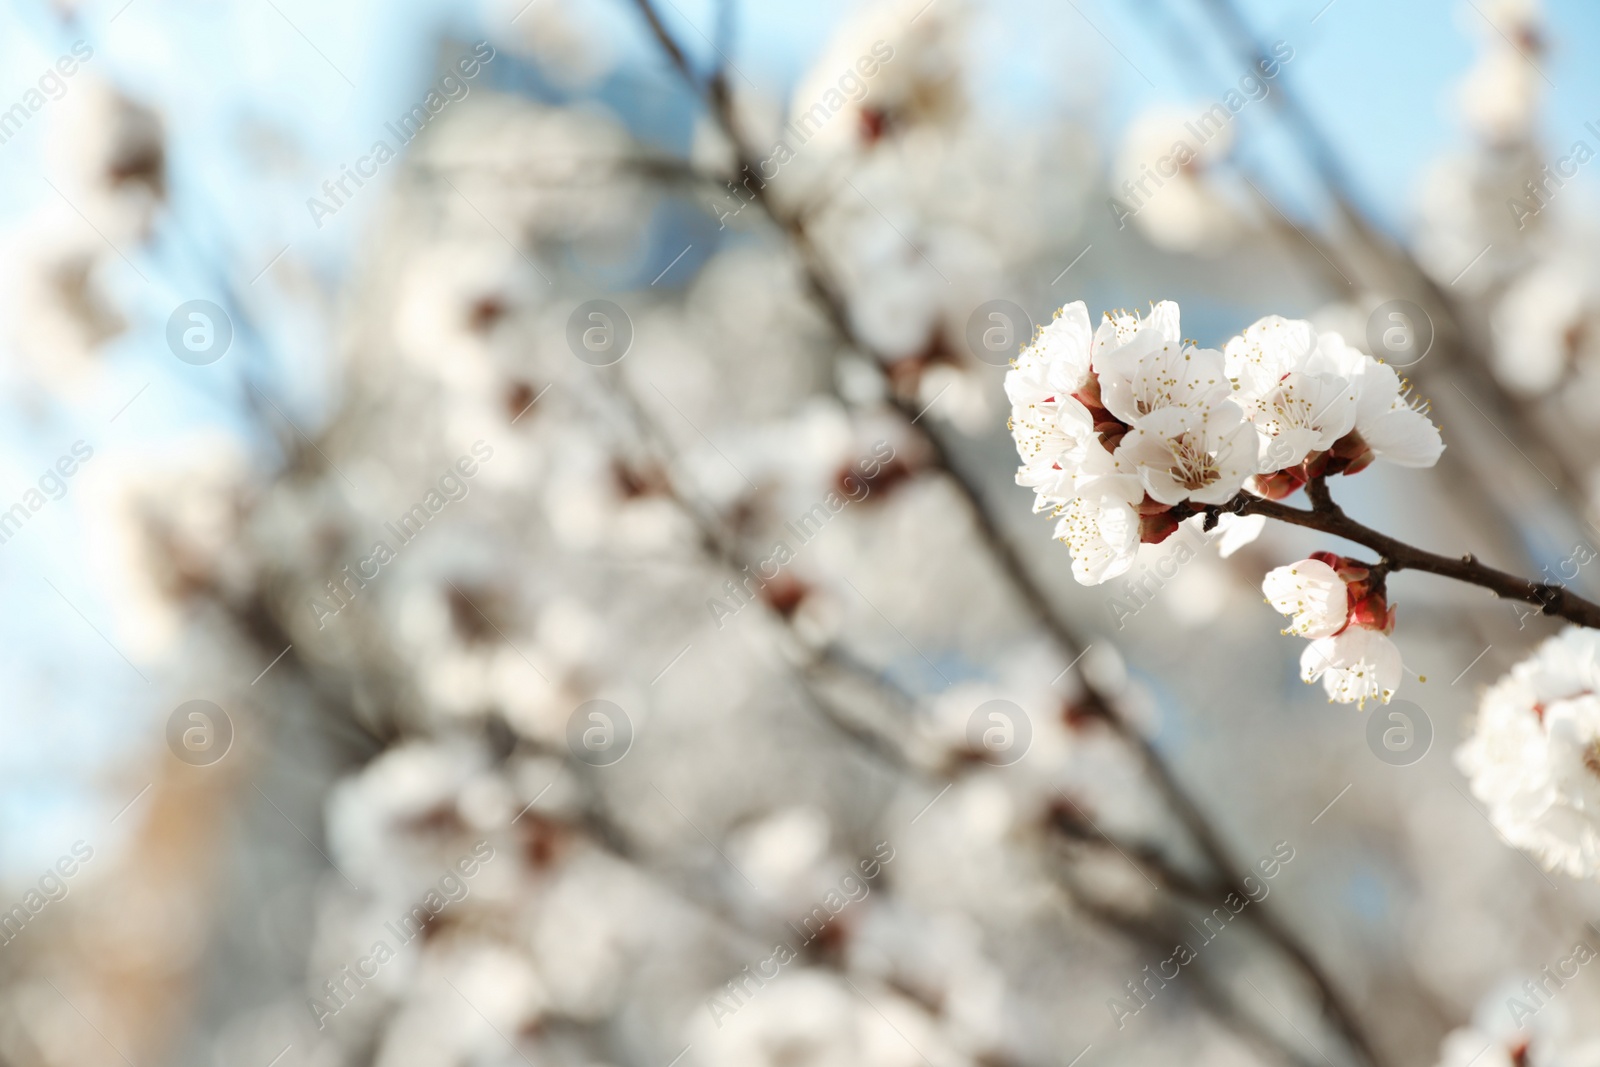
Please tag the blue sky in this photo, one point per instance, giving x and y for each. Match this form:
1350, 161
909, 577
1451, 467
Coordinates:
1378, 75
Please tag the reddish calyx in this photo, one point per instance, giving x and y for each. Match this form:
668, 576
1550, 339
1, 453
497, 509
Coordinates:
1280, 484
1110, 428
1156, 523
1367, 604
1350, 454
874, 124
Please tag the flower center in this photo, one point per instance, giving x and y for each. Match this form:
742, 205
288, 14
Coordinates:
1192, 466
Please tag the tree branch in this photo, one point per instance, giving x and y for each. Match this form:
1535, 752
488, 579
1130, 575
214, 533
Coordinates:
1325, 516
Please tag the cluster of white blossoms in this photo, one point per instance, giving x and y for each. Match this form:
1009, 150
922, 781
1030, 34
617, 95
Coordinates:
1344, 614
1116, 426
1534, 754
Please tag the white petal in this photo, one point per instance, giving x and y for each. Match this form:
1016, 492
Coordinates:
1332, 355
1356, 666
1164, 319
1312, 592
1377, 391
1404, 437
1063, 346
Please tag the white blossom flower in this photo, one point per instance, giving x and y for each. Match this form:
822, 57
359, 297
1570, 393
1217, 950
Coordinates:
811, 1017
1313, 593
60, 306
1136, 380
1054, 433
110, 152
165, 529
1534, 755
1303, 413
1268, 349
457, 302
1294, 383
1143, 364
1389, 425
1101, 528
1126, 329
464, 995
1357, 665
1055, 437
1163, 422
1500, 96
1187, 453
1057, 362
1462, 212
1272, 348
789, 855
589, 932
562, 38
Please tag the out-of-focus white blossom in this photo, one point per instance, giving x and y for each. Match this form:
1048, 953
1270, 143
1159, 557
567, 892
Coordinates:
111, 155
454, 306
1182, 211
60, 308
1534, 754
913, 52
1501, 94
812, 1018
786, 855
562, 38
559, 176
1542, 323
164, 529
1518, 1024
1467, 236
466, 997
